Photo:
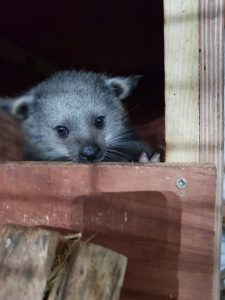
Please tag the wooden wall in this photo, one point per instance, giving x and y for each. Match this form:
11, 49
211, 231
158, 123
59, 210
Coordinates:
138, 210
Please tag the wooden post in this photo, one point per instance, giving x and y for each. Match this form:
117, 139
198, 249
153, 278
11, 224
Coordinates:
181, 80
211, 106
194, 91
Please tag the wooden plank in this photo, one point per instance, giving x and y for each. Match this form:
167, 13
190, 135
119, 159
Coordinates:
167, 233
95, 273
26, 258
181, 35
211, 106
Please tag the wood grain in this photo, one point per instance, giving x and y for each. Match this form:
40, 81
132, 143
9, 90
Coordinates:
194, 42
26, 258
181, 35
136, 210
95, 273
211, 105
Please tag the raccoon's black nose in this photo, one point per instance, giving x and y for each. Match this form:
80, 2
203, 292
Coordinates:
90, 152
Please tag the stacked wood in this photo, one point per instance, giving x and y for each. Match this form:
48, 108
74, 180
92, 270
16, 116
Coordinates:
11, 139
38, 264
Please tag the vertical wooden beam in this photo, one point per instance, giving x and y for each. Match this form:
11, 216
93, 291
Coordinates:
211, 105
181, 33
194, 83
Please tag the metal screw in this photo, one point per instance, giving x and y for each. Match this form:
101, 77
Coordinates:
181, 183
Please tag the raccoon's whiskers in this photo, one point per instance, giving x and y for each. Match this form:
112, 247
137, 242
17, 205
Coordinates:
116, 152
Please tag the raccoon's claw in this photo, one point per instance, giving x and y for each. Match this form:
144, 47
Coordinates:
155, 158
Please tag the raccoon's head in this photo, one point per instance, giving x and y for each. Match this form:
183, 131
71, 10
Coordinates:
74, 116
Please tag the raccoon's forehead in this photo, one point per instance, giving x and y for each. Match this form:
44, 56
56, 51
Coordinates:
71, 85
81, 95
69, 98
68, 104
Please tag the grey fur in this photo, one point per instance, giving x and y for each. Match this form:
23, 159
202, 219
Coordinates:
75, 99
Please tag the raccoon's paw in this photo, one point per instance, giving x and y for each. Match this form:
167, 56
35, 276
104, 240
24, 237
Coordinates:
155, 158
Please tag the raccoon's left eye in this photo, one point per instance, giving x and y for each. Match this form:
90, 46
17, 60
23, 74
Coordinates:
100, 122
62, 131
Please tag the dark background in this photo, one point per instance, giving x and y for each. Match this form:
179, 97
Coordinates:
118, 37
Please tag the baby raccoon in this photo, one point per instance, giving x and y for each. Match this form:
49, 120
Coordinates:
77, 116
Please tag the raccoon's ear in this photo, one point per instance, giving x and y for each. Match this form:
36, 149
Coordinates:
18, 108
6, 105
21, 106
121, 87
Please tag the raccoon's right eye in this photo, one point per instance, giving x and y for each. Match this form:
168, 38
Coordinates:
62, 131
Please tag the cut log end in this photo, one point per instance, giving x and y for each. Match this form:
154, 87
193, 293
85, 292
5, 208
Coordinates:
39, 264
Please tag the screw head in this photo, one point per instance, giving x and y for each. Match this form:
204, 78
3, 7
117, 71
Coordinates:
181, 183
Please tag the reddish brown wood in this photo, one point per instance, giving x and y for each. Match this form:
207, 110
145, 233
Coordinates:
166, 233
11, 139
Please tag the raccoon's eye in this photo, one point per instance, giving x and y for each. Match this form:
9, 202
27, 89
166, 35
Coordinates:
100, 122
62, 131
